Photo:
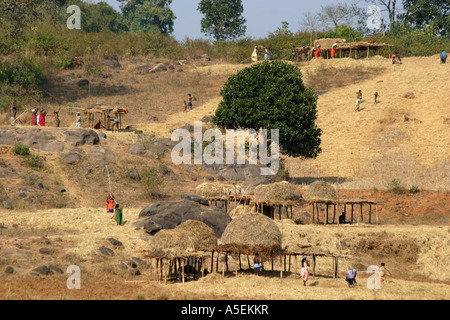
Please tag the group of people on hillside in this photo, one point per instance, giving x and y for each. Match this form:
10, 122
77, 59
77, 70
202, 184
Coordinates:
267, 54
112, 207
305, 271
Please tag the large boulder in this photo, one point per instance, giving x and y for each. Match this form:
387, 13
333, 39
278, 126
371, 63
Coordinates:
168, 215
36, 138
79, 137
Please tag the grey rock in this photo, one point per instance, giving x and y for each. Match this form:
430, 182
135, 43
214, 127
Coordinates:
106, 251
137, 148
168, 215
70, 157
7, 204
195, 198
83, 82
80, 137
45, 251
44, 270
134, 174
9, 270
116, 243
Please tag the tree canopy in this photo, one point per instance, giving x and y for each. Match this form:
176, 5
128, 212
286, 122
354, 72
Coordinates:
432, 13
222, 19
271, 95
153, 16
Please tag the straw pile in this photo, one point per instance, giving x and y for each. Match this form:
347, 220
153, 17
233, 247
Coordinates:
320, 191
326, 44
189, 237
250, 233
217, 190
275, 194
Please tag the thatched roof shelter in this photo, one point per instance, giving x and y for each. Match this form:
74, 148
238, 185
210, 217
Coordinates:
250, 233
186, 239
320, 191
217, 190
327, 44
275, 194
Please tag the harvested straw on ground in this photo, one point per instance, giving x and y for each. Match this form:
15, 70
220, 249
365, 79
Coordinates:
217, 190
250, 233
189, 237
275, 194
320, 191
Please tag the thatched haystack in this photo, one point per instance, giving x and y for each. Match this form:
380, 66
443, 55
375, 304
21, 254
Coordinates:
320, 191
275, 194
217, 190
327, 44
241, 210
189, 237
250, 233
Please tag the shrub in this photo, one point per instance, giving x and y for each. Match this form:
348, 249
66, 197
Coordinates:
21, 149
413, 189
152, 182
396, 187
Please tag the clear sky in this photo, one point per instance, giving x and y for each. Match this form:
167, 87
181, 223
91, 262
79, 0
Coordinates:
263, 16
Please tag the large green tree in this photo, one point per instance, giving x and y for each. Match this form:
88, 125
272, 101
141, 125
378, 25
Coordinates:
153, 16
271, 95
431, 13
222, 19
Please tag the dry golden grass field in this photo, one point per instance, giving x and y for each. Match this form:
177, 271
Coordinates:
401, 139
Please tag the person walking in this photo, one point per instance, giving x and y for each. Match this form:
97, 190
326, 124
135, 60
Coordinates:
257, 264
305, 271
443, 56
383, 271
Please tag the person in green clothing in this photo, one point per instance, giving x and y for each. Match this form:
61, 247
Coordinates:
118, 215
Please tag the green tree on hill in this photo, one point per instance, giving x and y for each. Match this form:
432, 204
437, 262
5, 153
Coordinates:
428, 13
153, 16
222, 19
271, 95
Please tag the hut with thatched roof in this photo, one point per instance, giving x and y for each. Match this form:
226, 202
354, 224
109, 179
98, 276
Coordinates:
248, 234
279, 195
327, 44
219, 194
321, 192
184, 247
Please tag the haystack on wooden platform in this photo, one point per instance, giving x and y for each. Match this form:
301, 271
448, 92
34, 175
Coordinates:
103, 111
327, 44
250, 233
223, 194
269, 196
321, 192
185, 247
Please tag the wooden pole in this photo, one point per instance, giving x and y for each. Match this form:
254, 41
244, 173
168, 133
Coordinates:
361, 211
370, 213
314, 264
313, 213
351, 221
295, 263
281, 267
326, 217
212, 261
368, 52
182, 270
